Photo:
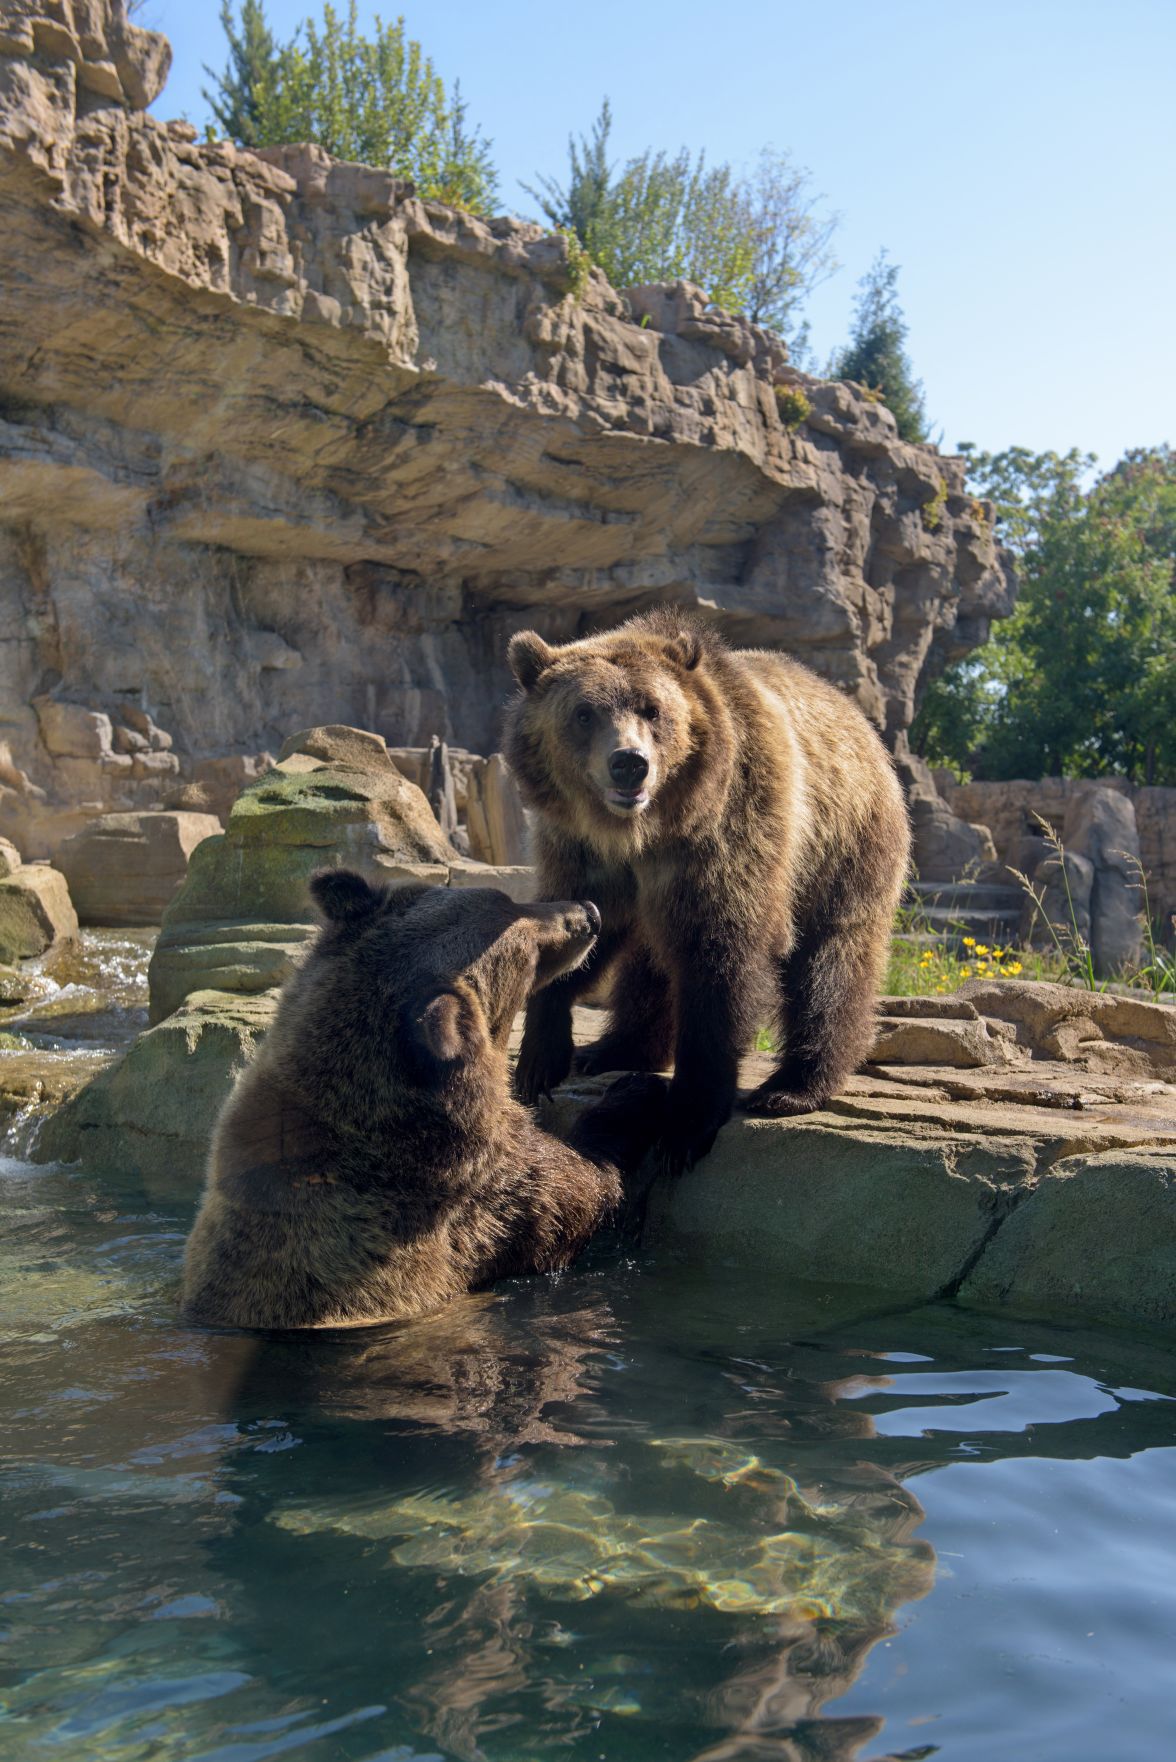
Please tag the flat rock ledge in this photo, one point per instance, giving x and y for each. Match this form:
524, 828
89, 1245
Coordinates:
1012, 1147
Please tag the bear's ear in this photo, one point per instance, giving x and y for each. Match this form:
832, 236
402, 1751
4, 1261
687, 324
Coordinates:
685, 649
344, 897
451, 1027
529, 656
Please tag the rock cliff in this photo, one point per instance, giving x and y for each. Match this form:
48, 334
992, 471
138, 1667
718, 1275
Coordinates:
282, 444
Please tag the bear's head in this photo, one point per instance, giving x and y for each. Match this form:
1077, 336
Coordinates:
615, 735
406, 999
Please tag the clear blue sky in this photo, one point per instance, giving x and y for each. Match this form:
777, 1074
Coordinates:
1017, 158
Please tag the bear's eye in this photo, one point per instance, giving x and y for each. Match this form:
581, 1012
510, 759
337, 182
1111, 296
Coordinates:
584, 715
651, 712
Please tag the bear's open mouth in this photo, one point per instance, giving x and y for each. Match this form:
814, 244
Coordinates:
628, 801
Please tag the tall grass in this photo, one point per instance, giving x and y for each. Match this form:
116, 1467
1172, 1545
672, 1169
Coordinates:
1072, 948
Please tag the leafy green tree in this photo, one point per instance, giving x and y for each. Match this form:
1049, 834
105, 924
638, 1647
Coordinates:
377, 100
1081, 680
792, 245
876, 356
754, 244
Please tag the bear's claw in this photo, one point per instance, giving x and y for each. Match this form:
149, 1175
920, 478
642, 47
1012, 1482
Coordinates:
780, 1104
537, 1074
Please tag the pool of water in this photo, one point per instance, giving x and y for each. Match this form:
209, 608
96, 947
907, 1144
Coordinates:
634, 1513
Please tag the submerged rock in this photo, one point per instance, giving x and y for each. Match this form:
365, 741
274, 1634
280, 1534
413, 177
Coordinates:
789, 1559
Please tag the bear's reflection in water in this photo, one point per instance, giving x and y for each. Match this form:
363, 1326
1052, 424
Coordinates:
565, 1551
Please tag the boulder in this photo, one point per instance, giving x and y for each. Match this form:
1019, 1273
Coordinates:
945, 847
124, 869
70, 731
35, 912
1066, 886
1063, 1134
10, 859
243, 914
151, 1115
1102, 829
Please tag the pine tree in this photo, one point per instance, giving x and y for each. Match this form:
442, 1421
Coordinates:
239, 100
876, 356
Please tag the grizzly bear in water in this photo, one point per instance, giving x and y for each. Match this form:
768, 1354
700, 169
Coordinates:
740, 826
371, 1162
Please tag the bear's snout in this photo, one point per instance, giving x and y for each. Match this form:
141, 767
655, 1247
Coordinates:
583, 923
628, 768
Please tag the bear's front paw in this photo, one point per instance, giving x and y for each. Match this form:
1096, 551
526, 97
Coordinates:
541, 1068
781, 1104
682, 1145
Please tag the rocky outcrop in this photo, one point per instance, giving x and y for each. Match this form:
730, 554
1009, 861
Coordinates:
335, 797
1012, 1147
281, 443
124, 869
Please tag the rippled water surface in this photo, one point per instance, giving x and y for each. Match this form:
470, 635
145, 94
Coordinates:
633, 1514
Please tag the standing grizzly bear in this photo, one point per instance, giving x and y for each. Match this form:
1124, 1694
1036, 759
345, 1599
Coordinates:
371, 1162
740, 826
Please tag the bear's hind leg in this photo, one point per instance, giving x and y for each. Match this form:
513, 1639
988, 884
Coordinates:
640, 1032
830, 985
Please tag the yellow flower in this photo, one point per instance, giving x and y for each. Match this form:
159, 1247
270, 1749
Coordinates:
981, 949
1011, 971
965, 972
969, 942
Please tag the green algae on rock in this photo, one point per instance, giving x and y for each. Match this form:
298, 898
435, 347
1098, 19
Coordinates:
151, 1115
36, 912
243, 915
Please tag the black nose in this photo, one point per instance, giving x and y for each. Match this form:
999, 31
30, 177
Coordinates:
592, 913
628, 768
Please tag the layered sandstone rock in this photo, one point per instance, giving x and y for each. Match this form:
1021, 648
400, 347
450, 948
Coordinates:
125, 869
281, 443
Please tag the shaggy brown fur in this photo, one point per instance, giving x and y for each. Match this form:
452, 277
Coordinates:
372, 1162
740, 826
